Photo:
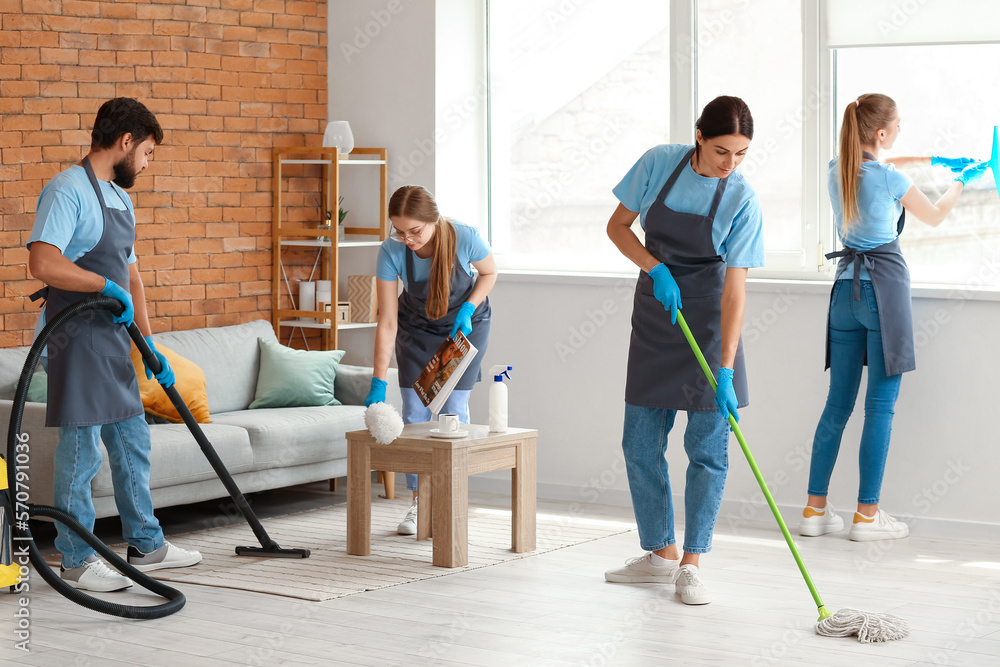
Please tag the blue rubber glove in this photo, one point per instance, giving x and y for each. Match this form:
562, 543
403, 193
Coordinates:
972, 172
377, 393
666, 291
116, 291
725, 395
956, 164
463, 319
166, 375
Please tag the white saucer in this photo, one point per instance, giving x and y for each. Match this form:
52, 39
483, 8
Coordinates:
437, 433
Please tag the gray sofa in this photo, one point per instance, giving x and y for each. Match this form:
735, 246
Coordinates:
263, 448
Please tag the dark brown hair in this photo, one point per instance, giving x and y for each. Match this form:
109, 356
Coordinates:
124, 115
416, 203
724, 115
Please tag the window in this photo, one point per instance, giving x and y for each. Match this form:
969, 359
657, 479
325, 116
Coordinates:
944, 110
579, 91
754, 51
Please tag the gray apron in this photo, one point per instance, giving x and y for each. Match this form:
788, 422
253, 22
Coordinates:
891, 282
662, 369
418, 337
91, 378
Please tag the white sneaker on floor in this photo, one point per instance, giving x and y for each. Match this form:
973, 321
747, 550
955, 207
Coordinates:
817, 522
165, 557
878, 527
408, 526
95, 576
690, 587
642, 570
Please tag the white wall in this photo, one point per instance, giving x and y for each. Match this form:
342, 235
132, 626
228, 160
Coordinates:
568, 342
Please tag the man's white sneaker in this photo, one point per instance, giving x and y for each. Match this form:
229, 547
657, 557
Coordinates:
95, 576
165, 557
690, 587
643, 570
820, 521
878, 527
408, 526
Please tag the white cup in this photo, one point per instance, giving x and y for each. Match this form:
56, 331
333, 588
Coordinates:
447, 423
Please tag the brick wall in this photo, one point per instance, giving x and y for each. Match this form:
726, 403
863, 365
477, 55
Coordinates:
228, 81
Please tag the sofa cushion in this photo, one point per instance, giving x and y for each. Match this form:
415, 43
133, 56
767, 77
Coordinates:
290, 378
38, 388
284, 437
229, 356
175, 458
11, 362
189, 381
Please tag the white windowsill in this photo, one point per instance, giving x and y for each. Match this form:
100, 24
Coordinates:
756, 285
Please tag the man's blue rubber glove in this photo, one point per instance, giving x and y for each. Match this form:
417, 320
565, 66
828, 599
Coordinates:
972, 172
116, 291
463, 319
956, 164
666, 291
166, 375
725, 395
377, 393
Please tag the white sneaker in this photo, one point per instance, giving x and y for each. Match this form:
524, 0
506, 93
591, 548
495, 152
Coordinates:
878, 527
817, 522
95, 576
408, 526
642, 570
165, 557
690, 587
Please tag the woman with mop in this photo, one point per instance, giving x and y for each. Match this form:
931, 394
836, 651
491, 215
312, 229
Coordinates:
869, 320
703, 228
434, 257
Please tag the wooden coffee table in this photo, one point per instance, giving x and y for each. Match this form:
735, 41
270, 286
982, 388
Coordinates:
444, 466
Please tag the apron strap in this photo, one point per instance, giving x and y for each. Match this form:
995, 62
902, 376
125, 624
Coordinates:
719, 190
409, 267
42, 294
857, 256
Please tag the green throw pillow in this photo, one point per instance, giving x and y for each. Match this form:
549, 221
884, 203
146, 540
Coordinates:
295, 378
38, 389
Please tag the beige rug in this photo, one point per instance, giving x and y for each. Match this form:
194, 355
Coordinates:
330, 572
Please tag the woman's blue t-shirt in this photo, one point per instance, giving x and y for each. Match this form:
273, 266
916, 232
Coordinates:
469, 247
738, 228
880, 187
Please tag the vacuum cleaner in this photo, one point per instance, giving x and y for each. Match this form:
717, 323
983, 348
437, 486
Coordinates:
16, 510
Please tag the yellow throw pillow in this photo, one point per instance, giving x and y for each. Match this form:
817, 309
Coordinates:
189, 380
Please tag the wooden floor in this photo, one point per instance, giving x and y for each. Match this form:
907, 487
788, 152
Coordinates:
556, 609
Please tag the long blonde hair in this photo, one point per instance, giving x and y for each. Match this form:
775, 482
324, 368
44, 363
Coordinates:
862, 119
416, 203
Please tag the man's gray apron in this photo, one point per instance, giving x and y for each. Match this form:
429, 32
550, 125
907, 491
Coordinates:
890, 279
662, 370
418, 337
91, 377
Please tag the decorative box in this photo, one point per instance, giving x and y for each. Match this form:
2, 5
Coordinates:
362, 297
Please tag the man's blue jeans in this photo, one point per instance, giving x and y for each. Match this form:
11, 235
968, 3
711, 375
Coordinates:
706, 441
77, 460
855, 332
414, 412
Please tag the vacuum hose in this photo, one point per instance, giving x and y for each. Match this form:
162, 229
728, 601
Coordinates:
23, 510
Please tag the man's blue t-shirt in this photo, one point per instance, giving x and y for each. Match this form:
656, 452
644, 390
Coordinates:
738, 228
469, 247
880, 187
69, 216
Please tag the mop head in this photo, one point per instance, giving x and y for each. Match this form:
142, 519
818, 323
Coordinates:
383, 422
869, 627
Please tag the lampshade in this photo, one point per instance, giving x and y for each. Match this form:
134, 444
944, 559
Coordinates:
338, 133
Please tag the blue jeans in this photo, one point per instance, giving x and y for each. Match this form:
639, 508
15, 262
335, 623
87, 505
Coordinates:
77, 460
706, 441
855, 332
414, 412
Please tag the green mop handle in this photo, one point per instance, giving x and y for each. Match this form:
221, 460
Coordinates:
823, 611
